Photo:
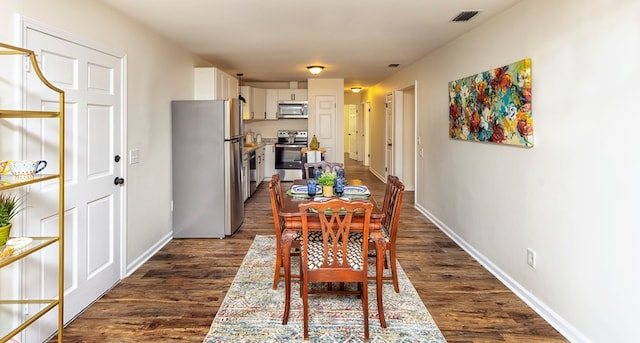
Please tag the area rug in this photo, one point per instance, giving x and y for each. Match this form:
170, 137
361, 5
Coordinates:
252, 311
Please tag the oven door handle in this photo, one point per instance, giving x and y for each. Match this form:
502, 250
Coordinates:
291, 146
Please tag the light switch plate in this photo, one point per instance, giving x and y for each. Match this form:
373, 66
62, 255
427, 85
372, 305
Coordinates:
134, 156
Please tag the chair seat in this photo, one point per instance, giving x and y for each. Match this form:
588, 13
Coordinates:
356, 237
316, 255
314, 236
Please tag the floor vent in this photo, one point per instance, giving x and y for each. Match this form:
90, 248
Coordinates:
465, 16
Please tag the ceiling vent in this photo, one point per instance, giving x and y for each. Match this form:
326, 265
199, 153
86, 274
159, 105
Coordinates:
394, 65
465, 16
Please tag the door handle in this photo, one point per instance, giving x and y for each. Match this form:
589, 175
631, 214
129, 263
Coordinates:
118, 181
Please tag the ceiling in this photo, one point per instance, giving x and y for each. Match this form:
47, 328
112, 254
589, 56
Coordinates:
274, 40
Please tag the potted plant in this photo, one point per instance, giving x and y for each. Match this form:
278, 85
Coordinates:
10, 206
327, 179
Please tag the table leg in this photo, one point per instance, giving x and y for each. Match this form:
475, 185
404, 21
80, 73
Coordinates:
287, 238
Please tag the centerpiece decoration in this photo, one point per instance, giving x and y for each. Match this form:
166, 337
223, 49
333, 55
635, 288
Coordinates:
327, 179
314, 145
10, 206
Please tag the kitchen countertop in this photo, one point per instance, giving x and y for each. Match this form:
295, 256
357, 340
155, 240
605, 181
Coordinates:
253, 147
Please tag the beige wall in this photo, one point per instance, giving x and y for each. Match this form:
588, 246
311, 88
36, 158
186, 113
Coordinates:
408, 138
572, 198
158, 72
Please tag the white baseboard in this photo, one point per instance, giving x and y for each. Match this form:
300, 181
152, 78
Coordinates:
559, 323
148, 254
381, 177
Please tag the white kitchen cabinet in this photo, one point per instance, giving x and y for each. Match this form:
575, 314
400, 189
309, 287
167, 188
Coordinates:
292, 94
245, 177
271, 105
258, 103
260, 152
269, 161
214, 84
247, 107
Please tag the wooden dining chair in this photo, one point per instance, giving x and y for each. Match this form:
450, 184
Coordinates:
277, 198
322, 165
335, 258
391, 206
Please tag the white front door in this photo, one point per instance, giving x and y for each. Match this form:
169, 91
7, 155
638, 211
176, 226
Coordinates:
92, 81
388, 170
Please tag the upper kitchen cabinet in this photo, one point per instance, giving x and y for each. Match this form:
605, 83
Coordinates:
292, 94
258, 103
271, 99
214, 84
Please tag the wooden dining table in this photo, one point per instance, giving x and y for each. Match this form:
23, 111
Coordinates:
293, 225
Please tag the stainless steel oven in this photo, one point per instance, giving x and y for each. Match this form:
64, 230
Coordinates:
288, 161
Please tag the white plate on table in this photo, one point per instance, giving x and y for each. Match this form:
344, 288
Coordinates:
302, 190
356, 190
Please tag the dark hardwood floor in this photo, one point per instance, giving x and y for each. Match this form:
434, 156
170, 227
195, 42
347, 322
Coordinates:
175, 295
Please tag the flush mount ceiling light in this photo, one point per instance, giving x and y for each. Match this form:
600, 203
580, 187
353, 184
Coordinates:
315, 70
356, 89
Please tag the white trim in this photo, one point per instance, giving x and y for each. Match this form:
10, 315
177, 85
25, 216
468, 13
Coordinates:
28, 23
382, 178
144, 257
559, 323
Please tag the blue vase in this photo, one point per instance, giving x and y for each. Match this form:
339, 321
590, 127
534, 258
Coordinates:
339, 185
311, 187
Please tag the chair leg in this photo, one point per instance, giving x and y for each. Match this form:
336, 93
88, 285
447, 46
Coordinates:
305, 305
394, 269
286, 247
278, 267
380, 256
365, 309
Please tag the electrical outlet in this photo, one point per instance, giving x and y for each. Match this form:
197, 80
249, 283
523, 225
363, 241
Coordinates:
531, 258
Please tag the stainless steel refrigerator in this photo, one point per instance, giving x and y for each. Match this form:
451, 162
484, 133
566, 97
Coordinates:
207, 164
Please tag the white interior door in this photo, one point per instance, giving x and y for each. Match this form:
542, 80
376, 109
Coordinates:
92, 81
326, 132
353, 132
360, 128
388, 170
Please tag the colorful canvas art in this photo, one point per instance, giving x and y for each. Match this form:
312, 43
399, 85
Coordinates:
493, 106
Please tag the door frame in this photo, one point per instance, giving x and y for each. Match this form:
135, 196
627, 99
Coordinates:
399, 108
28, 23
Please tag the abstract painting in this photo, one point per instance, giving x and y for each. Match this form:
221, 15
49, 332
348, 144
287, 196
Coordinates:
493, 106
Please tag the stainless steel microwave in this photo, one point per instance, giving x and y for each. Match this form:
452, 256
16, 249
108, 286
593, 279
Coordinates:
293, 109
